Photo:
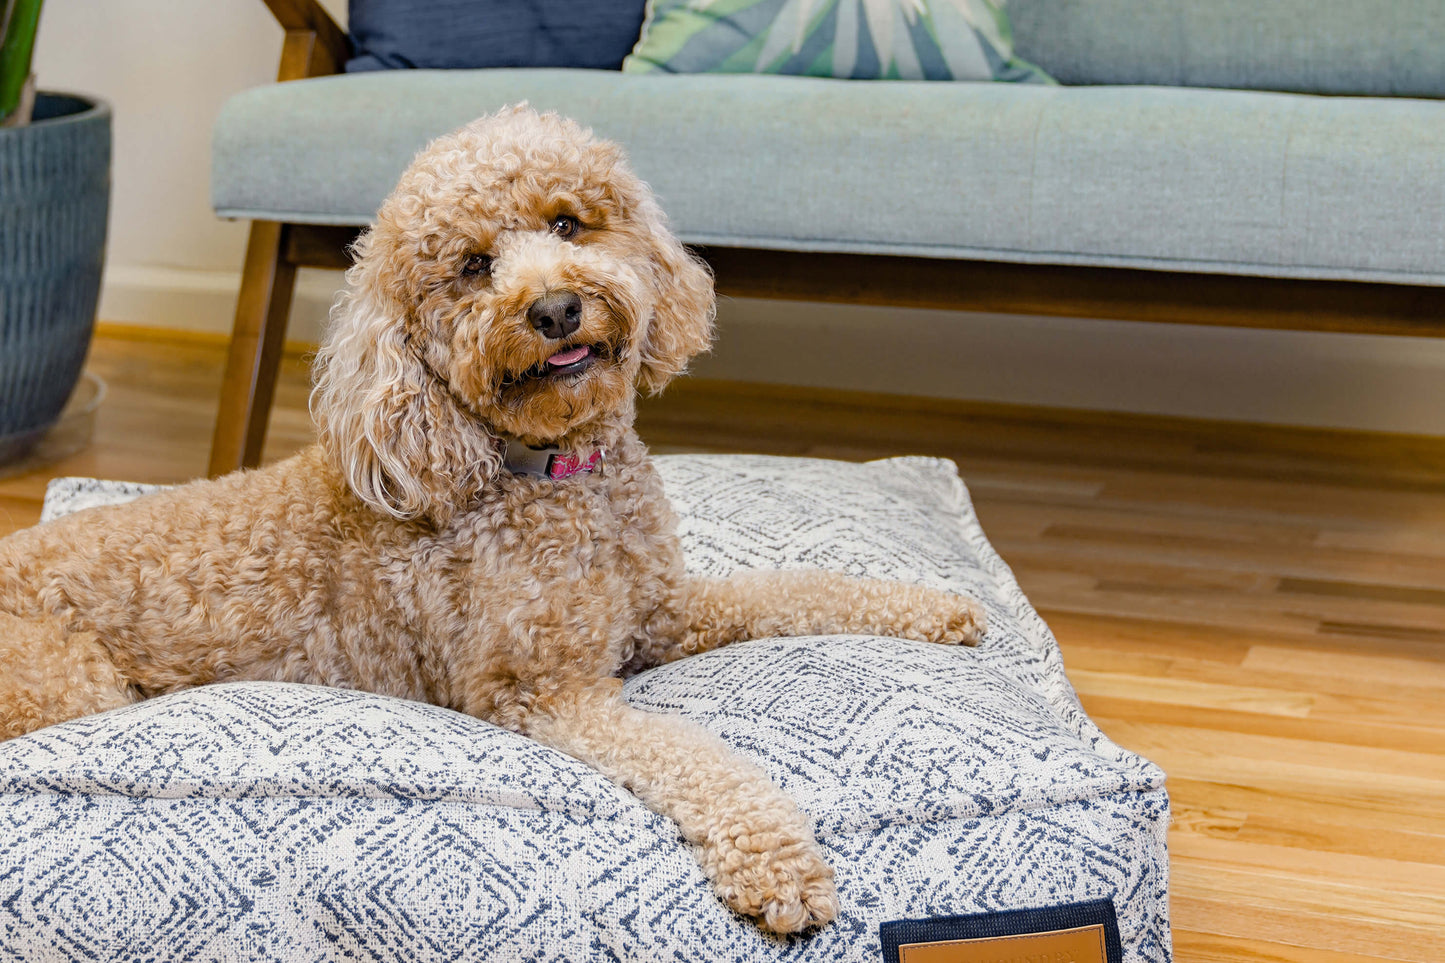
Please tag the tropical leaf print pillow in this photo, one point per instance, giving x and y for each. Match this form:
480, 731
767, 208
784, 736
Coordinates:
852, 39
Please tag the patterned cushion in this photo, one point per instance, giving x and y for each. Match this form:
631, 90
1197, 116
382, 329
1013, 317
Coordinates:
269, 821
847, 39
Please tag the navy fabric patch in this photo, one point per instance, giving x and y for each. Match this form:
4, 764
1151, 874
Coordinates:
458, 34
983, 926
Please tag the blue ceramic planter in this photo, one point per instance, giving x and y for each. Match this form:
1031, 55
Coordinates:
54, 204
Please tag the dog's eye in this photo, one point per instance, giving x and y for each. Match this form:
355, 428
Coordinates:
477, 265
565, 226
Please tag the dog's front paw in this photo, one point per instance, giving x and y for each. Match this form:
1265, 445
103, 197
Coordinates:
785, 883
946, 618
964, 622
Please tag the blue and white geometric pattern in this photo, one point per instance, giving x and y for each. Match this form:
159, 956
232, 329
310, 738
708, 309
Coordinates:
266, 821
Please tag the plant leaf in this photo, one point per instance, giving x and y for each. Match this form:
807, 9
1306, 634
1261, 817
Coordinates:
16, 49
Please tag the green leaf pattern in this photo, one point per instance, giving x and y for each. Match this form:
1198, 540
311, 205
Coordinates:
859, 39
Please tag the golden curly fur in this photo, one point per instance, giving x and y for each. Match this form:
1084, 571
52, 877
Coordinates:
400, 556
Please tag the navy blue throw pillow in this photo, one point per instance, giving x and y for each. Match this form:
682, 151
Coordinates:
390, 34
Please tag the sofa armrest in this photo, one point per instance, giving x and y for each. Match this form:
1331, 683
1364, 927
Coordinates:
315, 45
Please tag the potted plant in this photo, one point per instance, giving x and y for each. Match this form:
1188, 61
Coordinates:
54, 204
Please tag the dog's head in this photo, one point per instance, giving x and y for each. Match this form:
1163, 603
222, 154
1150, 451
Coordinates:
521, 282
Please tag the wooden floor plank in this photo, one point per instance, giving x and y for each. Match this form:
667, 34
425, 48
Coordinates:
1391, 696
1380, 667
1192, 947
1413, 888
1174, 692
1318, 930
1379, 769
1143, 705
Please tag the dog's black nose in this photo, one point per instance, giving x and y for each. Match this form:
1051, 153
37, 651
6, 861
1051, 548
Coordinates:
556, 314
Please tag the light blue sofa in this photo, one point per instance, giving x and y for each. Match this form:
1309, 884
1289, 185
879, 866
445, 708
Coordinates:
1138, 189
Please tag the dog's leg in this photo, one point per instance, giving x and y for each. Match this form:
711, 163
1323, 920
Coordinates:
707, 613
756, 846
49, 675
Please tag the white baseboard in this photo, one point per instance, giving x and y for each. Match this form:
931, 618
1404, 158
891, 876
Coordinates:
192, 300
1279, 377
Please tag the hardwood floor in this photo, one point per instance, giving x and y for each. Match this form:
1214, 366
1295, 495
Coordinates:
1261, 611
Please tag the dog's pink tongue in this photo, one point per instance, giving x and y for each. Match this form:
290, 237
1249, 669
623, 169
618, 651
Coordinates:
562, 358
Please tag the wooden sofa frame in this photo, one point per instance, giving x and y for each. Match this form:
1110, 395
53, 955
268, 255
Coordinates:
316, 46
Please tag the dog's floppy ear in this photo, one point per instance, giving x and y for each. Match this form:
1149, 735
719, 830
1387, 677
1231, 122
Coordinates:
684, 305
404, 445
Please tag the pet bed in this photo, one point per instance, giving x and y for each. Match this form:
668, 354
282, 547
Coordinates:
267, 821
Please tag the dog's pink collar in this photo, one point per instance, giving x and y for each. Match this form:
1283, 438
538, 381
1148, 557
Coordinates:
546, 462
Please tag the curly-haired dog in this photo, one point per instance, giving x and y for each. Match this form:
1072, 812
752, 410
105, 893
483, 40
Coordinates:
479, 526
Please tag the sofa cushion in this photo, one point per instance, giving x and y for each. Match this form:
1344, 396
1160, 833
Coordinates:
268, 821
392, 34
1381, 47
848, 39
1310, 187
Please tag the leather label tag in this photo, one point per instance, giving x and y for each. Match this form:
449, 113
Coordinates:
1069, 933
1084, 944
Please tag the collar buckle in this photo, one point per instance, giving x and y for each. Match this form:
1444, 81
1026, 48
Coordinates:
550, 462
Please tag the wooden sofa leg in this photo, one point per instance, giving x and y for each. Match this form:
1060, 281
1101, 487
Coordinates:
257, 338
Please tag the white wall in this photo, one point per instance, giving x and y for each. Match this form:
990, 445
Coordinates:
167, 67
